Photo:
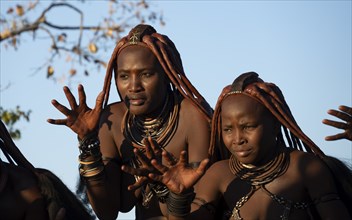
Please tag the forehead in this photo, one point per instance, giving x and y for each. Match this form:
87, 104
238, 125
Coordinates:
242, 104
136, 56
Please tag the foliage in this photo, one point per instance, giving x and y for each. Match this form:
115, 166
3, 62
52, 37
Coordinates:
79, 44
10, 117
75, 42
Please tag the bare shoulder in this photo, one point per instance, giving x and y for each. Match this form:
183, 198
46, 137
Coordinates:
310, 167
194, 122
110, 133
306, 161
116, 108
111, 116
190, 110
219, 170
215, 181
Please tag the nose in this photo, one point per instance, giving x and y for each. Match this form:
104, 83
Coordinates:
238, 137
135, 84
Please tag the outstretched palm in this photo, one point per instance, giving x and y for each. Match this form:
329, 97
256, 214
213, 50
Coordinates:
152, 151
345, 114
81, 119
180, 176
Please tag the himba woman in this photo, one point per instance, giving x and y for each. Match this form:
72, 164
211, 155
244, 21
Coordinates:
159, 108
32, 193
275, 171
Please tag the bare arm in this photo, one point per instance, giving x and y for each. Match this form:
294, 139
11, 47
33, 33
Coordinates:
325, 196
102, 181
198, 134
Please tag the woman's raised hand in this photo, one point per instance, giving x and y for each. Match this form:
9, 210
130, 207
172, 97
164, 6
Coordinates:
80, 118
180, 176
344, 114
152, 151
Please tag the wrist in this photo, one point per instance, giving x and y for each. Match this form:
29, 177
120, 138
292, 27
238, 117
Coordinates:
91, 164
179, 205
86, 136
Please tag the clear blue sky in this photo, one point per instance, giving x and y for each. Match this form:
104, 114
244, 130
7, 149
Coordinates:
302, 46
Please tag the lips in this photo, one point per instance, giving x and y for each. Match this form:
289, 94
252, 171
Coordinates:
242, 153
136, 100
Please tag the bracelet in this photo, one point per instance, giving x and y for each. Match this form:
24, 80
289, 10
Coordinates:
92, 169
90, 159
179, 205
90, 148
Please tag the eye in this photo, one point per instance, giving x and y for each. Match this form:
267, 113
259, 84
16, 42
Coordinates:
123, 76
226, 130
249, 127
147, 74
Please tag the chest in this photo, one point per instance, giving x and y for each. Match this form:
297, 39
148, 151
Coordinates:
128, 135
283, 198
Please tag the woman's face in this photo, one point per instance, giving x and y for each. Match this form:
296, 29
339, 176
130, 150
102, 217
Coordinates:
248, 129
141, 81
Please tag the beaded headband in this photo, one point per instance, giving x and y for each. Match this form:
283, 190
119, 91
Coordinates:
239, 84
233, 92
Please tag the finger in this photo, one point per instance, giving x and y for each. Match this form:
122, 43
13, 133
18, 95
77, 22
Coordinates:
169, 158
60, 107
129, 170
99, 101
335, 137
71, 99
141, 157
81, 95
155, 146
134, 171
341, 115
202, 167
160, 167
335, 124
140, 182
148, 150
155, 177
346, 109
57, 121
183, 157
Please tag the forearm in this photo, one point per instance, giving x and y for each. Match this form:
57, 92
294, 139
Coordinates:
102, 181
104, 193
179, 205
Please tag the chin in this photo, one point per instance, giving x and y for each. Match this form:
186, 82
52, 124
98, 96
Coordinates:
140, 110
136, 111
246, 160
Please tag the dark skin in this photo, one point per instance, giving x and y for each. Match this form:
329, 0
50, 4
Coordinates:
142, 84
249, 131
345, 114
20, 197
